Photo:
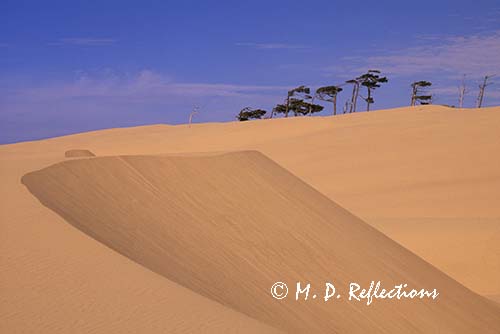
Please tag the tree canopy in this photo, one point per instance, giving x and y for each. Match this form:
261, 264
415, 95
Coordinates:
329, 94
304, 90
298, 93
298, 107
418, 95
248, 113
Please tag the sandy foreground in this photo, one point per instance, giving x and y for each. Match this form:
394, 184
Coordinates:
191, 238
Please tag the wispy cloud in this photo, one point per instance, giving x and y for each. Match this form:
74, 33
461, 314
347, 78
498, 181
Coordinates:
84, 41
271, 46
475, 55
145, 85
472, 89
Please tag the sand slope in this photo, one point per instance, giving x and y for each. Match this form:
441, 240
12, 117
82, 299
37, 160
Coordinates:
55, 279
76, 153
229, 226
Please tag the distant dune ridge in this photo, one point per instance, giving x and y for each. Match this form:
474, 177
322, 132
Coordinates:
229, 226
428, 177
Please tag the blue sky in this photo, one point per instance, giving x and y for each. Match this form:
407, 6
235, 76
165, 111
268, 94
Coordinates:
72, 66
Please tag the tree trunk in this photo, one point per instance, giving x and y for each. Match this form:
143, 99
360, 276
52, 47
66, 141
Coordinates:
334, 105
482, 87
287, 105
309, 113
368, 99
355, 96
413, 95
352, 98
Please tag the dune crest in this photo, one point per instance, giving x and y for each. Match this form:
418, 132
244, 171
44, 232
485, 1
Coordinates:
229, 226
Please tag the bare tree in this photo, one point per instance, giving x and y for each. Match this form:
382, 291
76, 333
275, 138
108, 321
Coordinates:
346, 107
355, 92
462, 90
194, 111
482, 87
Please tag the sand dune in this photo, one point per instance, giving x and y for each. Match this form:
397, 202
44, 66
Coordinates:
229, 226
431, 164
434, 170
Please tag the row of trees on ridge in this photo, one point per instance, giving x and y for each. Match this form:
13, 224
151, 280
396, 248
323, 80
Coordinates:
300, 100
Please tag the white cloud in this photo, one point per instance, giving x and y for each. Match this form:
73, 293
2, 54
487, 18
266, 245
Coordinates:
144, 85
475, 55
272, 46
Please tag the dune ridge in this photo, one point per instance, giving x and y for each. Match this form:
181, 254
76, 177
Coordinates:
228, 226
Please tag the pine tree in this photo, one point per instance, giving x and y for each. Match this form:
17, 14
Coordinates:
248, 113
371, 80
418, 95
329, 94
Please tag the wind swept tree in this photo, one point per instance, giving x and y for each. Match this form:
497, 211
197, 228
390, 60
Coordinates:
355, 92
329, 94
371, 80
302, 92
248, 113
299, 101
301, 107
298, 107
279, 109
418, 93
482, 88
